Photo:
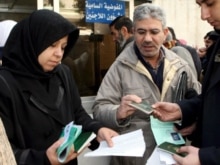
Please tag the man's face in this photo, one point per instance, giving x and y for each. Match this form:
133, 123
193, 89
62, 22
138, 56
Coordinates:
117, 36
149, 36
210, 11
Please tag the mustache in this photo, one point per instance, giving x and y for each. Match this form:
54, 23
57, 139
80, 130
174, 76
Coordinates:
147, 43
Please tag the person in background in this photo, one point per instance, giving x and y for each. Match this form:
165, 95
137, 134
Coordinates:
5, 29
209, 39
144, 71
38, 94
204, 109
192, 51
6, 153
180, 51
121, 29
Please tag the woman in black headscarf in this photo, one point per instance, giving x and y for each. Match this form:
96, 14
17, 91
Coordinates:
38, 94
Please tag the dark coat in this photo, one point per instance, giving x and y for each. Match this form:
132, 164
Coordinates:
31, 126
206, 110
36, 104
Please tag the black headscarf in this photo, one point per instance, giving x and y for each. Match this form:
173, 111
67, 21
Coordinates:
27, 40
32, 36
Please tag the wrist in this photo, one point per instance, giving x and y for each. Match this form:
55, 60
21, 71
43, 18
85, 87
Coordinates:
118, 114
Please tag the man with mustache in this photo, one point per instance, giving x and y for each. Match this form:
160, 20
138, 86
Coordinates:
144, 71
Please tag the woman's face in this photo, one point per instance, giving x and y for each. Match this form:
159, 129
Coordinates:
52, 56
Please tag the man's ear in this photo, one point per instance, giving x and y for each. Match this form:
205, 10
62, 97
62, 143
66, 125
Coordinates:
124, 30
166, 32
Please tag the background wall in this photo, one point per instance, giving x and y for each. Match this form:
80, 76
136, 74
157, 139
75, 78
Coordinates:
184, 17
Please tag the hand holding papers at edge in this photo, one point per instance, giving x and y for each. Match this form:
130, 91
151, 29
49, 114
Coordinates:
129, 144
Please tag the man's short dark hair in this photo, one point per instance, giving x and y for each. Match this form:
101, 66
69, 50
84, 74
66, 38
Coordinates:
121, 21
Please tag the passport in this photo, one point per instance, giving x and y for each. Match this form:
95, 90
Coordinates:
143, 106
170, 148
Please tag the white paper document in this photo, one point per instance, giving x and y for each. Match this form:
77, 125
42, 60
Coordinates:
167, 158
160, 158
154, 159
129, 144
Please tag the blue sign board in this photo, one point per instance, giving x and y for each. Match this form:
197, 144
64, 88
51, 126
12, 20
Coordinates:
103, 11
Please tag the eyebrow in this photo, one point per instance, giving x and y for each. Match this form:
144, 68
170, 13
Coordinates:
202, 1
153, 29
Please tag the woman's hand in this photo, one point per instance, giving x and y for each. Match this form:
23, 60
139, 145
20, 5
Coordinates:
52, 154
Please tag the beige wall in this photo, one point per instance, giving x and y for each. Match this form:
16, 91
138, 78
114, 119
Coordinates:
184, 17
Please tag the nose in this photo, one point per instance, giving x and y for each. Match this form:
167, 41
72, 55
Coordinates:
114, 38
59, 52
148, 37
205, 14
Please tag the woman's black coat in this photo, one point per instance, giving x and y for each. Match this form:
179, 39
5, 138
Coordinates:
35, 105
31, 126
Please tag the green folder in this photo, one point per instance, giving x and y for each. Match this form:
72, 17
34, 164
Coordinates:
73, 136
82, 140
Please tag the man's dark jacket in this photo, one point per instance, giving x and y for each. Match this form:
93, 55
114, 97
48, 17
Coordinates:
205, 109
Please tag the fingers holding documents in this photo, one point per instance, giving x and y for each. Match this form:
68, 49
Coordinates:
52, 154
166, 111
192, 157
106, 134
72, 154
187, 130
125, 109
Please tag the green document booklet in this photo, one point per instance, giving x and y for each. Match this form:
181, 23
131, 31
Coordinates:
170, 148
73, 136
164, 132
143, 106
